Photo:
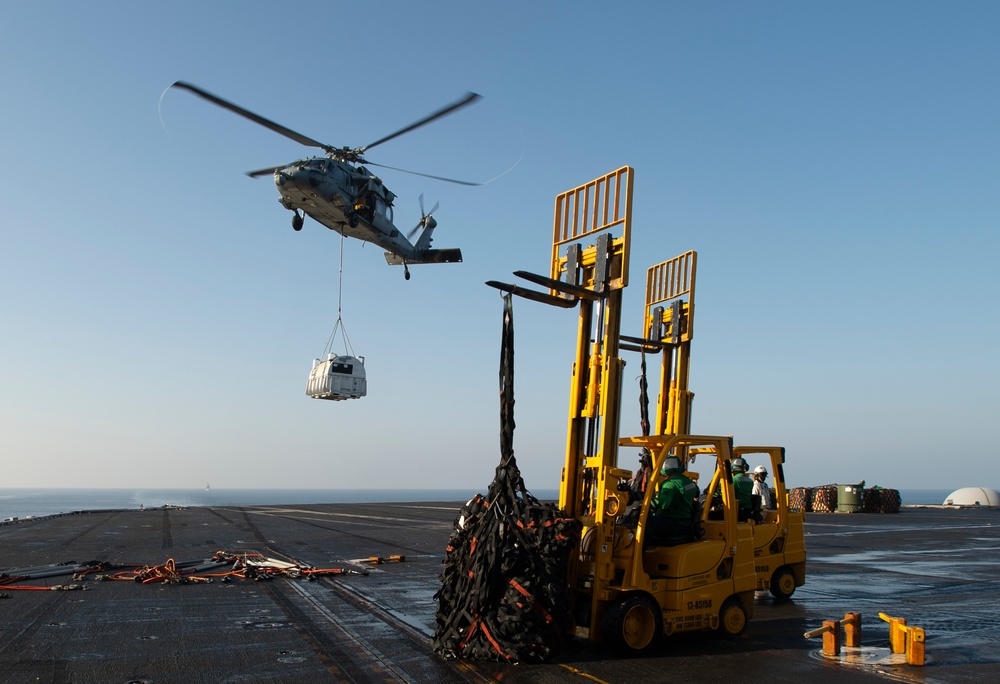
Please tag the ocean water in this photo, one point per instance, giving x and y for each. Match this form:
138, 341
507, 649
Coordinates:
21, 503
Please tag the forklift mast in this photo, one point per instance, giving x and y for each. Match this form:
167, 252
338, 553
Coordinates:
668, 327
600, 209
590, 268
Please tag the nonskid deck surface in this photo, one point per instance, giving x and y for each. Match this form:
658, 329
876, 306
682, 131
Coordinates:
936, 568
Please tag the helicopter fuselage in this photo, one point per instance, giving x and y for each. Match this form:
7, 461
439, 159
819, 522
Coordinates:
355, 203
344, 196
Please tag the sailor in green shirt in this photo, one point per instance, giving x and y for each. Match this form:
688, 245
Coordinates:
672, 507
743, 486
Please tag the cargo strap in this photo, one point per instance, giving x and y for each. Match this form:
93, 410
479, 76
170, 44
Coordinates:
643, 397
637, 485
507, 382
224, 566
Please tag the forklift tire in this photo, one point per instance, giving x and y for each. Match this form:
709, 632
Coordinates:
632, 624
783, 583
732, 617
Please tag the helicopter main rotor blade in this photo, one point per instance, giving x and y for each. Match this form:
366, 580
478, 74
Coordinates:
267, 123
425, 175
259, 173
468, 99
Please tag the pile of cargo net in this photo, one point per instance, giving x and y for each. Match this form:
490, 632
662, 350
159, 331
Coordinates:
503, 591
879, 500
824, 499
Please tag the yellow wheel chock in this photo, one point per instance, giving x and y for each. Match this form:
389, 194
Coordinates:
902, 637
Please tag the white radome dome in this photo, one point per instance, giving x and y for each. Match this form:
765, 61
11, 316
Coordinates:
974, 496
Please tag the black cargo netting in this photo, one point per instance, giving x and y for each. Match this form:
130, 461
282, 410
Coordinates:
879, 500
503, 592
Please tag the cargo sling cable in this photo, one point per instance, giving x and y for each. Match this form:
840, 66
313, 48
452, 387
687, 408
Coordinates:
340, 308
503, 594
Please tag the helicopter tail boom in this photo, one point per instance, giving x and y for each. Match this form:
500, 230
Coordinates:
430, 256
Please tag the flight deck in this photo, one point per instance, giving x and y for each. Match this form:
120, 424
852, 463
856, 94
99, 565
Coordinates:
934, 567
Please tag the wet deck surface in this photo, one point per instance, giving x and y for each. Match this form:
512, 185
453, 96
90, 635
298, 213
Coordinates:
936, 568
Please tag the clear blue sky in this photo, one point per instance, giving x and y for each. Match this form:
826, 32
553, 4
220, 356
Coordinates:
835, 165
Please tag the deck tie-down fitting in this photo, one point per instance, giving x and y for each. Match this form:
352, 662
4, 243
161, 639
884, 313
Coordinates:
902, 638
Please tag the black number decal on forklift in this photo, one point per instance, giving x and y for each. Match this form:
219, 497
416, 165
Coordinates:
696, 605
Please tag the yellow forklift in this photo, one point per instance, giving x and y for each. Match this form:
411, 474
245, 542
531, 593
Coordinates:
623, 592
779, 541
779, 536
705, 584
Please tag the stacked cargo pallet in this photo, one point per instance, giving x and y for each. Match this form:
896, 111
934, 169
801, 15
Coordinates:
824, 499
800, 499
879, 500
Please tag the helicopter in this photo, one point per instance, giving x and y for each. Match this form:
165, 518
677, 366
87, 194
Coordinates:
340, 193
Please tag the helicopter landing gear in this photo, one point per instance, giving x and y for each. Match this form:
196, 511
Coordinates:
406, 271
353, 220
297, 221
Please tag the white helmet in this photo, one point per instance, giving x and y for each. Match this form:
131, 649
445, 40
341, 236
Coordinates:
760, 470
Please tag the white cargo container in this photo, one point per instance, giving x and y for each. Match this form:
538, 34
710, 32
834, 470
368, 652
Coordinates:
339, 377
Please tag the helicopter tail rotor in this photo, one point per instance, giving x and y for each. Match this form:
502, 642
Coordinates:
427, 221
